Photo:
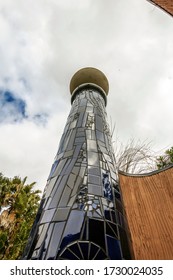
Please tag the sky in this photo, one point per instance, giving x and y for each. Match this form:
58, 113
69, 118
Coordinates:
44, 42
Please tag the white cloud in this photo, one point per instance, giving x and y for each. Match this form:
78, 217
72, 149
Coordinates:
44, 42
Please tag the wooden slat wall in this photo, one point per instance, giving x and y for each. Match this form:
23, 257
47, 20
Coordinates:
148, 203
166, 5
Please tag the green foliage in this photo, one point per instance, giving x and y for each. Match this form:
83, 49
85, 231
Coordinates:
166, 159
18, 207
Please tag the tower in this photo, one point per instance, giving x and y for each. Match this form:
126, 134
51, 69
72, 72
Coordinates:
81, 213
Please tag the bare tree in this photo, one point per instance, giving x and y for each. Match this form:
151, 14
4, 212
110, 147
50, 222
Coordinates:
135, 157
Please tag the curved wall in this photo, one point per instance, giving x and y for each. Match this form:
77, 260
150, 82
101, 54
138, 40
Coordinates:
148, 202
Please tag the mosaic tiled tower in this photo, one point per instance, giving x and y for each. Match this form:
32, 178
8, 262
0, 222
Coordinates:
81, 214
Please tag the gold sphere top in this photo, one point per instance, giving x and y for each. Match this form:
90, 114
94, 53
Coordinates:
89, 75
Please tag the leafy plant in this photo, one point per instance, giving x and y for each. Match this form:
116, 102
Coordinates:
166, 159
18, 207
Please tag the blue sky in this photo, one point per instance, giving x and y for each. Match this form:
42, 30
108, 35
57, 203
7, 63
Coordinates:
12, 109
43, 43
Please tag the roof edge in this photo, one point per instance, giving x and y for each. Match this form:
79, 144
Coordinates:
146, 174
160, 7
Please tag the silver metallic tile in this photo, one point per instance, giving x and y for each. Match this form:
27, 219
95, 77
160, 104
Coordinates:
59, 167
84, 119
100, 136
88, 133
41, 234
73, 124
59, 178
69, 167
95, 189
105, 201
80, 134
55, 238
71, 140
85, 179
101, 164
71, 201
103, 149
81, 109
91, 146
107, 158
74, 223
71, 180
81, 129
80, 140
35, 254
96, 215
94, 170
59, 156
99, 123
77, 184
49, 199
82, 171
89, 109
47, 238
58, 192
61, 214
66, 139
113, 175
93, 135
50, 186
94, 179
93, 159
47, 216
80, 120
68, 154
77, 150
104, 166
65, 197
83, 102
100, 143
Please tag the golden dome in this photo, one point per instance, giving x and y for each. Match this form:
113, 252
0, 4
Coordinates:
89, 75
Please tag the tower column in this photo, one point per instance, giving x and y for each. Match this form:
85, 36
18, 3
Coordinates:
81, 214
